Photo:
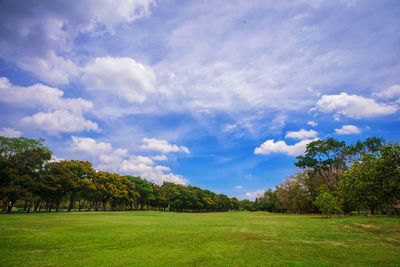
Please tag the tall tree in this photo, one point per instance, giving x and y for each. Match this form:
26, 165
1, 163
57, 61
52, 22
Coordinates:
325, 158
21, 160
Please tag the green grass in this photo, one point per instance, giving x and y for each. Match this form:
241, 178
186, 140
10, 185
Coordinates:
206, 239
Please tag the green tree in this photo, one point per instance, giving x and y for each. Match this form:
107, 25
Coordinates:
325, 158
21, 161
75, 187
327, 202
144, 189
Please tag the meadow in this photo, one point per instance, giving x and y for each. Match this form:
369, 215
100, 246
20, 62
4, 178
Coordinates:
146, 238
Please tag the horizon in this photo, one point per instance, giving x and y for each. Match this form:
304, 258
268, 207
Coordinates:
221, 96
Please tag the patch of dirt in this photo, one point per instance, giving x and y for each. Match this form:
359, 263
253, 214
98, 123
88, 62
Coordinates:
368, 226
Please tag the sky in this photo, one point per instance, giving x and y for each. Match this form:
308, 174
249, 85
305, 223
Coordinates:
218, 94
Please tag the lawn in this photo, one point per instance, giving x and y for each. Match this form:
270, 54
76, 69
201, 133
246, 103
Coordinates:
203, 239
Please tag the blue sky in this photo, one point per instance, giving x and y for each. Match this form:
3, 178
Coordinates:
219, 94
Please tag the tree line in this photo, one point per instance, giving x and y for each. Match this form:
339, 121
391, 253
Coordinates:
333, 178
31, 182
336, 178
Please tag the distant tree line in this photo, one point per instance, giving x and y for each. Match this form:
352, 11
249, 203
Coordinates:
29, 180
339, 179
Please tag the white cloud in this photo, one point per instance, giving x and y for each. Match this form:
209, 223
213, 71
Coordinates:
41, 96
270, 146
312, 123
10, 132
348, 129
301, 134
239, 187
392, 92
39, 37
112, 160
160, 157
215, 78
127, 79
145, 168
90, 146
353, 106
162, 146
59, 121
61, 114
255, 194
56, 159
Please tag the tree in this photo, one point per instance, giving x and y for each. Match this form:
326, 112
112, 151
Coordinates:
144, 190
267, 202
247, 205
326, 201
373, 182
324, 157
293, 195
75, 187
21, 161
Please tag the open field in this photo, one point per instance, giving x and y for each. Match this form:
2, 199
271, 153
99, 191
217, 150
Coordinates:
223, 239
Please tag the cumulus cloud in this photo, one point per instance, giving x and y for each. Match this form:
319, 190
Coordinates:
126, 78
10, 132
348, 129
392, 92
89, 146
41, 96
301, 134
353, 106
144, 167
270, 146
162, 145
40, 37
59, 121
60, 114
239, 187
312, 123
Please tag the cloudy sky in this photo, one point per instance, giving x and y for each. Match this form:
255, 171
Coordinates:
219, 94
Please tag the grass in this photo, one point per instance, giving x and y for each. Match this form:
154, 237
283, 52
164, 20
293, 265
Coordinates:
204, 239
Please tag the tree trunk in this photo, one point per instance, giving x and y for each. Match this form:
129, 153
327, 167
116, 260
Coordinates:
81, 204
36, 205
58, 205
388, 212
29, 207
5, 205
71, 204
9, 208
104, 206
40, 206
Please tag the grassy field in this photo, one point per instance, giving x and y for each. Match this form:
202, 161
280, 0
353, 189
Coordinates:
206, 239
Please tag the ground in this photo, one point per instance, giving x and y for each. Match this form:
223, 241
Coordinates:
202, 239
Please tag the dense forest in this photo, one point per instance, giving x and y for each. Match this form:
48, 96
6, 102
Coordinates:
335, 178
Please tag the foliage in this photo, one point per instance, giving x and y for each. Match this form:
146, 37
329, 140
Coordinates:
336, 177
21, 162
326, 201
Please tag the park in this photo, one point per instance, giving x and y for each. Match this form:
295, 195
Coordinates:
150, 238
